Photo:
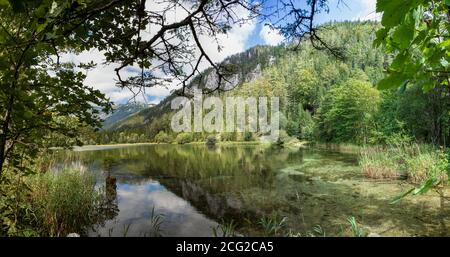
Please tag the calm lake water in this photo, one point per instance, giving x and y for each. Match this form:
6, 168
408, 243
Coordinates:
193, 188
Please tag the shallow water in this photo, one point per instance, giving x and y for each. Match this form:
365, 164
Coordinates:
195, 187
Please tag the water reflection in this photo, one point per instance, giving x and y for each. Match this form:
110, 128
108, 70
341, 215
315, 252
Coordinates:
111, 208
136, 202
194, 187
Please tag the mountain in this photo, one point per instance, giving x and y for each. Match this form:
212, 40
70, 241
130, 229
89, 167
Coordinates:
121, 112
248, 65
301, 77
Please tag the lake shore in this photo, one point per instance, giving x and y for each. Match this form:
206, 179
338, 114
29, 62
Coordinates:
290, 144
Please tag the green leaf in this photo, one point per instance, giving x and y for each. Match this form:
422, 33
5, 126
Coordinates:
444, 44
400, 197
425, 186
428, 85
398, 63
394, 11
394, 80
404, 33
381, 37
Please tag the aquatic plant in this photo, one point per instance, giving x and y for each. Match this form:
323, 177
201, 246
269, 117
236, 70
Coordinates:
356, 230
426, 165
156, 220
380, 163
417, 163
225, 229
272, 225
315, 232
126, 229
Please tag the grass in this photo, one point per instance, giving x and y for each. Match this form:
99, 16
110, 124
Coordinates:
64, 202
340, 147
425, 165
156, 220
356, 230
317, 231
225, 229
380, 163
272, 225
417, 163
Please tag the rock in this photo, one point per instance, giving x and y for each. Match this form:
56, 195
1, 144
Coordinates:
373, 235
73, 235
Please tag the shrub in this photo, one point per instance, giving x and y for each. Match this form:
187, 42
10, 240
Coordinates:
183, 138
283, 138
248, 136
228, 136
163, 137
211, 140
16, 215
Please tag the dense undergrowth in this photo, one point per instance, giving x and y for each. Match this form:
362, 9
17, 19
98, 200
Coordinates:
49, 204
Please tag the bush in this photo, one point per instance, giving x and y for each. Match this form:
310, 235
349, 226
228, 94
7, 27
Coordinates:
163, 137
16, 216
283, 138
183, 138
211, 140
248, 136
228, 136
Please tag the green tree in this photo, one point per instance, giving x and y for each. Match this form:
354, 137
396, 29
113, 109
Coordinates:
163, 137
347, 114
183, 138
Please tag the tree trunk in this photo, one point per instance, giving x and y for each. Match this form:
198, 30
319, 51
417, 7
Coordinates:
4, 135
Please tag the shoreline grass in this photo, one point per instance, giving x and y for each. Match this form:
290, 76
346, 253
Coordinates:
413, 162
51, 204
64, 202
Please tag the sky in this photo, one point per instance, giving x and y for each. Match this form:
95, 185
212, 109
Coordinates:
238, 39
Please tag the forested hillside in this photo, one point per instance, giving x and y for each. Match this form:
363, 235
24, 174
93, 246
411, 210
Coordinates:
323, 98
364, 119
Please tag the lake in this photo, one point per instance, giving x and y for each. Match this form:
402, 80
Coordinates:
188, 190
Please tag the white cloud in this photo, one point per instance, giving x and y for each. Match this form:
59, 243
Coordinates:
271, 36
368, 10
233, 42
103, 77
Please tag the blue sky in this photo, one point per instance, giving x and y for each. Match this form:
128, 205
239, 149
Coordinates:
339, 11
238, 39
